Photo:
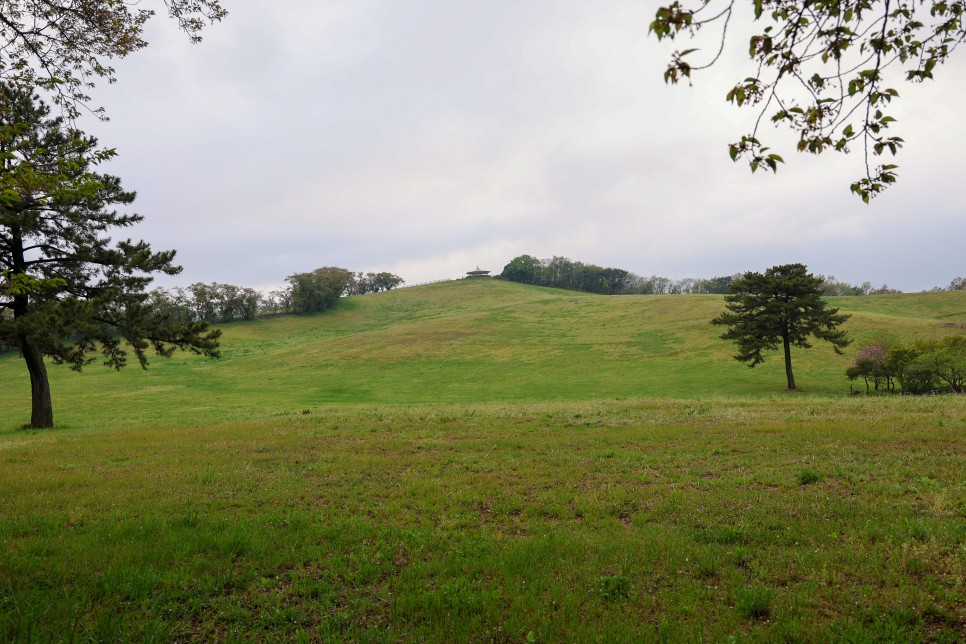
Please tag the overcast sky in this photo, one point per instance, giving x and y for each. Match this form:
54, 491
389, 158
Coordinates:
428, 137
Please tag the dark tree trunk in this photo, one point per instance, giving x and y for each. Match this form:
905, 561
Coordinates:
788, 364
41, 409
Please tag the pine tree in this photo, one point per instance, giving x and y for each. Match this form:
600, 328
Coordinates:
784, 306
69, 292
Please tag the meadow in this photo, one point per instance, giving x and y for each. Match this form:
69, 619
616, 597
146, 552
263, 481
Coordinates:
479, 461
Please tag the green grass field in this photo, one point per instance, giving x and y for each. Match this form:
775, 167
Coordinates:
477, 461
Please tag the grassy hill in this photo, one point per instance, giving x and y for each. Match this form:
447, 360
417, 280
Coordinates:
485, 461
461, 342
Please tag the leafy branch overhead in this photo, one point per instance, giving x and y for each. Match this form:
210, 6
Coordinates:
63, 46
825, 69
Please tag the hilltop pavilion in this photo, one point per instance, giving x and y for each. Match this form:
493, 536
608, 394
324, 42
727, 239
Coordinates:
477, 273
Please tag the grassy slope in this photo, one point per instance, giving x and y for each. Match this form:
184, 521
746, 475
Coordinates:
302, 486
467, 341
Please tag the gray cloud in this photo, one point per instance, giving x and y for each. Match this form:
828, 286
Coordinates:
429, 137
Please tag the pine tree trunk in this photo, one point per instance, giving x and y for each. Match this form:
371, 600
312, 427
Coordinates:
41, 408
788, 364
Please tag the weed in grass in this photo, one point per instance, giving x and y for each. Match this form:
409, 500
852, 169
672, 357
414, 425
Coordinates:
720, 535
881, 624
613, 588
754, 602
807, 477
789, 632
935, 613
918, 530
743, 559
708, 569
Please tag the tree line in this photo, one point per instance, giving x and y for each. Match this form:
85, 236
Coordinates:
561, 272
307, 292
957, 284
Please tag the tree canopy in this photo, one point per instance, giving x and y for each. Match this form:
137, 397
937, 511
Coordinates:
826, 69
63, 46
364, 283
318, 290
781, 307
69, 291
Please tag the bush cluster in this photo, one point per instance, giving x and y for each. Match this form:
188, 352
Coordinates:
920, 367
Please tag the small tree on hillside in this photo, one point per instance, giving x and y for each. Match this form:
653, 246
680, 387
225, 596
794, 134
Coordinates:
946, 359
903, 361
67, 290
384, 281
524, 269
782, 307
870, 365
319, 289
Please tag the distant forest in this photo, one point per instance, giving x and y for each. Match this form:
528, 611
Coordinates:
561, 272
